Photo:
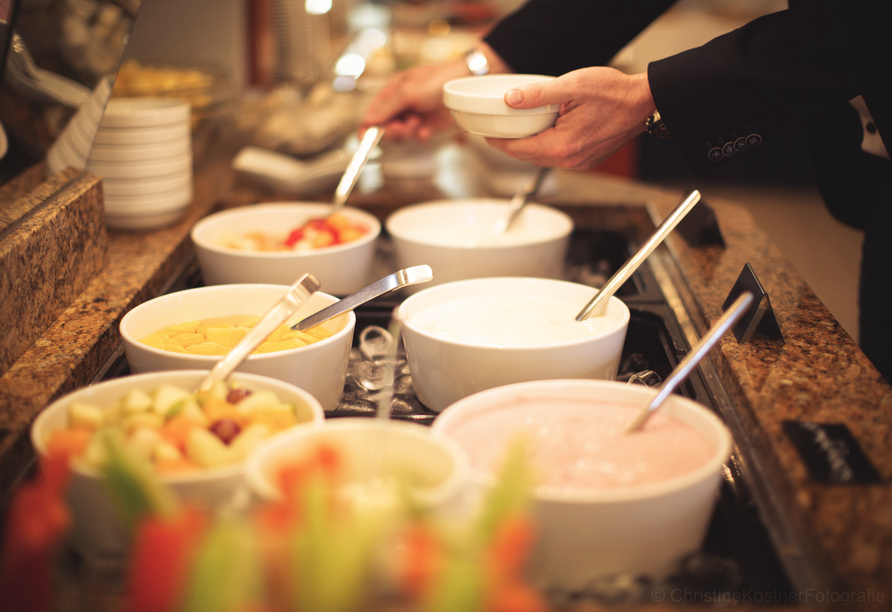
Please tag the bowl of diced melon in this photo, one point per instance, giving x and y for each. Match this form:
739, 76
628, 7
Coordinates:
193, 329
195, 443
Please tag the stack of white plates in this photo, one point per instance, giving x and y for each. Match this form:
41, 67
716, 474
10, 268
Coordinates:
143, 151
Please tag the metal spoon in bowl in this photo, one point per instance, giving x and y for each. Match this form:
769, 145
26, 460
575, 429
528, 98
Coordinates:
299, 293
687, 365
598, 303
519, 200
402, 278
368, 143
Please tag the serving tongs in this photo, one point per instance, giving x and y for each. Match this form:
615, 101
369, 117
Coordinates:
296, 297
392, 282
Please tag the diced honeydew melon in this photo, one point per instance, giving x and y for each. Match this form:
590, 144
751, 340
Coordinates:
248, 440
141, 419
96, 453
206, 449
165, 451
85, 415
190, 409
142, 441
166, 396
259, 400
137, 400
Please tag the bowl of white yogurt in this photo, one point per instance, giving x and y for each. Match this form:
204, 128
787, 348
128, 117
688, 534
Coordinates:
467, 336
456, 238
606, 503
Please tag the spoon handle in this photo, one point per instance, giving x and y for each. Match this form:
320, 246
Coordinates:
687, 365
519, 201
299, 293
369, 140
409, 276
622, 275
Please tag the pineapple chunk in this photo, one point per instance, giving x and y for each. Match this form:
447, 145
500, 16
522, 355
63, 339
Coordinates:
165, 451
85, 415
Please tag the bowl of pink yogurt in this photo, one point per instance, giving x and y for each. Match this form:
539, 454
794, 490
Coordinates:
606, 502
467, 336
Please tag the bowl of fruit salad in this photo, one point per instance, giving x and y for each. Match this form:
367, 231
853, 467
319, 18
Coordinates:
277, 243
193, 329
195, 443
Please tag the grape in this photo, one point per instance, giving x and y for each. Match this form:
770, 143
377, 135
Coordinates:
237, 395
225, 429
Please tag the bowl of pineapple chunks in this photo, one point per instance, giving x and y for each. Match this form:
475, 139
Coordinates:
193, 330
194, 443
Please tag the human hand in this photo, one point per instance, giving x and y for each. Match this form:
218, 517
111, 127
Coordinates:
601, 110
410, 105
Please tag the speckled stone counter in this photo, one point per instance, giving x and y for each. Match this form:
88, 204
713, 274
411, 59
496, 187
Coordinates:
832, 537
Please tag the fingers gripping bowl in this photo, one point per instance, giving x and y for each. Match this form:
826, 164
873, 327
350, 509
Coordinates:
468, 336
477, 104
343, 268
320, 368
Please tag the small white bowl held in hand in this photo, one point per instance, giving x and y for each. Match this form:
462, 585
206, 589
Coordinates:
342, 269
477, 104
98, 531
584, 533
319, 368
468, 336
456, 239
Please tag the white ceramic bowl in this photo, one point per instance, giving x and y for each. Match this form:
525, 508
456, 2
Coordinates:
477, 104
143, 135
368, 448
320, 368
142, 152
138, 220
455, 362
643, 529
455, 238
145, 112
141, 169
153, 184
174, 199
342, 269
97, 530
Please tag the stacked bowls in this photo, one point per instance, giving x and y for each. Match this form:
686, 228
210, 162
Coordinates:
143, 151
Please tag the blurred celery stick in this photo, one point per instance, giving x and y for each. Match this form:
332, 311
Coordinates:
332, 551
511, 493
131, 484
460, 587
226, 576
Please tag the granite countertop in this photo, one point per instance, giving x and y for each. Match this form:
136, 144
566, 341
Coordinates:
839, 536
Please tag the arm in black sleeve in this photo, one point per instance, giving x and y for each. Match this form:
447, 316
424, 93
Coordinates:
556, 36
749, 85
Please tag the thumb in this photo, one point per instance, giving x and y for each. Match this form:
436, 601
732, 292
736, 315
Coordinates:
528, 96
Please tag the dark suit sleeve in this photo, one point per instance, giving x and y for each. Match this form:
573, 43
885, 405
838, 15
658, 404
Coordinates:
747, 86
556, 36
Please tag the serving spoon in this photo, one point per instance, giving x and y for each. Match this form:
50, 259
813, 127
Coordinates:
392, 282
296, 297
597, 304
687, 365
369, 141
519, 200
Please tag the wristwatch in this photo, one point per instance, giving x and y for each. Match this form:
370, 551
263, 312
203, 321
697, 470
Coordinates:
476, 62
655, 126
